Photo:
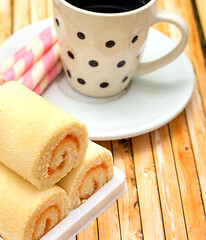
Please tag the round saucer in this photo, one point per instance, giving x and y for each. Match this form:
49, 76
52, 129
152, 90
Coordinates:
150, 101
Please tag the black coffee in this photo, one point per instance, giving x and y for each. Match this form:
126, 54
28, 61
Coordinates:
108, 6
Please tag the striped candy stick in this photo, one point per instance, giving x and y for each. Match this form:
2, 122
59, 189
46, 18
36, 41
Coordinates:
34, 75
48, 78
25, 57
4, 66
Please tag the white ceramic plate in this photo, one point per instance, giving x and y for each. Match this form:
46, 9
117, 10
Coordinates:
88, 211
150, 101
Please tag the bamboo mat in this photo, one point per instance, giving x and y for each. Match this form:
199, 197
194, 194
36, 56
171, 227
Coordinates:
165, 169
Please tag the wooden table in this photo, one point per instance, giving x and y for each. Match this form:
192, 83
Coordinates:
165, 169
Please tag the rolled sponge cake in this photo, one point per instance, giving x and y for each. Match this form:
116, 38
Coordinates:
93, 172
38, 140
27, 213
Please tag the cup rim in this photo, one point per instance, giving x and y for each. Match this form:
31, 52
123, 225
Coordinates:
140, 9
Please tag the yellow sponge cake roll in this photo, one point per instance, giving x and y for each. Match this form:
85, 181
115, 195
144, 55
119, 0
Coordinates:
93, 172
27, 213
38, 140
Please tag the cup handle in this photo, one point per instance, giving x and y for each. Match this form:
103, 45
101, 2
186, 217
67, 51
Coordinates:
164, 16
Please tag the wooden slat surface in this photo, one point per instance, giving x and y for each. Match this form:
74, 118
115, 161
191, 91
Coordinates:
128, 204
170, 198
188, 179
148, 192
21, 14
5, 20
165, 169
201, 7
108, 221
38, 10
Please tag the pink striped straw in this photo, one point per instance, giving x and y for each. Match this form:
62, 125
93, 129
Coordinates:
34, 75
25, 57
48, 78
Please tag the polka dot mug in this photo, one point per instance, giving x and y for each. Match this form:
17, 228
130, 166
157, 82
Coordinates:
101, 52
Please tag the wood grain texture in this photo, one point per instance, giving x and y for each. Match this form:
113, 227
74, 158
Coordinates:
188, 179
201, 7
21, 14
38, 10
147, 188
108, 224
195, 110
89, 232
129, 215
108, 221
170, 198
197, 128
194, 50
49, 9
5, 20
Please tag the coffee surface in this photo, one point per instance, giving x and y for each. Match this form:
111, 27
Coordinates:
108, 6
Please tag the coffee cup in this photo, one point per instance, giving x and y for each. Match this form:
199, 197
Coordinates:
102, 41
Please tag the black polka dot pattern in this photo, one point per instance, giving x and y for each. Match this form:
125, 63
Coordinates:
81, 81
57, 22
134, 39
70, 54
93, 63
110, 44
81, 35
69, 74
121, 64
125, 79
104, 85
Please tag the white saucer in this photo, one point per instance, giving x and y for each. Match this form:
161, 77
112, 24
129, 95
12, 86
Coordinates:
151, 100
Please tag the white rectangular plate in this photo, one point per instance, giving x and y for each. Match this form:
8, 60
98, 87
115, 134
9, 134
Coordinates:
88, 211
